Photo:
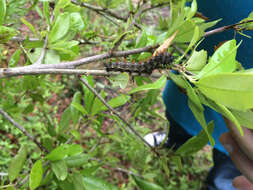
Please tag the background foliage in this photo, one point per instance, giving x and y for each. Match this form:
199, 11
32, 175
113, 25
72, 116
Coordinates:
82, 144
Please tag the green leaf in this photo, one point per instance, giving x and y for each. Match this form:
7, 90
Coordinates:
65, 120
60, 169
30, 26
205, 25
193, 9
183, 83
116, 102
197, 61
195, 38
2, 11
234, 90
6, 33
185, 32
75, 114
77, 160
50, 126
196, 143
120, 80
158, 84
60, 28
51, 56
46, 11
88, 95
67, 50
79, 107
94, 183
76, 134
88, 171
74, 149
130, 5
222, 110
178, 80
191, 93
15, 58
78, 181
223, 60
61, 4
142, 41
76, 22
227, 113
48, 143
178, 161
58, 153
247, 26
36, 175
17, 164
97, 104
145, 185
244, 118
199, 115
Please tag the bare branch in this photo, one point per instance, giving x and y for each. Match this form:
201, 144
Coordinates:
72, 64
22, 129
44, 48
43, 52
101, 10
223, 28
117, 114
22, 39
20, 71
155, 6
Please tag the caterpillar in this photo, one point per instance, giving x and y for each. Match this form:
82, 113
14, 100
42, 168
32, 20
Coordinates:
159, 61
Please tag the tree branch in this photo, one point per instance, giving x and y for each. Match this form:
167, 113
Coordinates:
20, 71
71, 64
22, 129
101, 10
223, 28
118, 115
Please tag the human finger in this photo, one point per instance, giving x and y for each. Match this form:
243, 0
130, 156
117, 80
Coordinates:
242, 183
241, 161
245, 142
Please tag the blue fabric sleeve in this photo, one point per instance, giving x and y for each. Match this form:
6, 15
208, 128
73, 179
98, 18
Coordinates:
232, 11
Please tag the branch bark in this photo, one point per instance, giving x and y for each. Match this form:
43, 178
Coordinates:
131, 129
223, 28
21, 71
22, 129
36, 69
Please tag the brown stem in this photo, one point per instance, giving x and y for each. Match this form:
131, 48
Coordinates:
118, 115
223, 28
22, 129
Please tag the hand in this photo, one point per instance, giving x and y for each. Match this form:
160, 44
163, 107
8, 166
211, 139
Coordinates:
240, 149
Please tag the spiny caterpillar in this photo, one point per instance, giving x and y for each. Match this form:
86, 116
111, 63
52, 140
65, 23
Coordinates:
159, 61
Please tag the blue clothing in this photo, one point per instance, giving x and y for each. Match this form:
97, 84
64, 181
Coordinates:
232, 11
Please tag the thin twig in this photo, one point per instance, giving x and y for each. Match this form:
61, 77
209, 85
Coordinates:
22, 129
103, 10
116, 169
118, 115
21, 71
99, 9
155, 6
43, 52
223, 28
180, 50
44, 48
22, 39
